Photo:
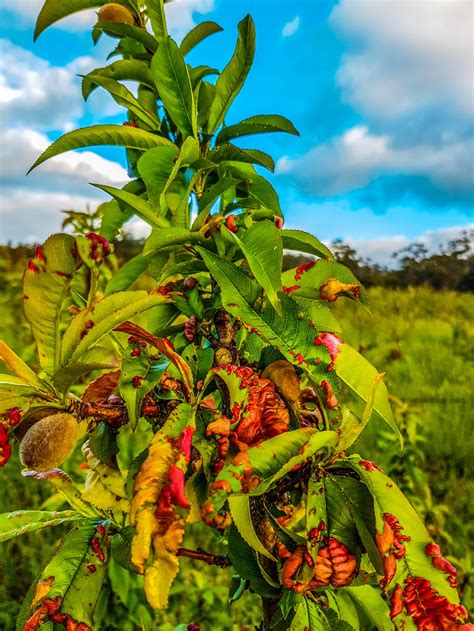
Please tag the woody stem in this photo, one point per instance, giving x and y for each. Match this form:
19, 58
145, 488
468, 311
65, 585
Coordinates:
207, 557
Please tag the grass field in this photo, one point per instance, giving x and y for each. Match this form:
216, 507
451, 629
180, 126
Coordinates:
424, 341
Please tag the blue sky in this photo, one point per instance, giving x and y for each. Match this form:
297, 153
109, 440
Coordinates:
381, 91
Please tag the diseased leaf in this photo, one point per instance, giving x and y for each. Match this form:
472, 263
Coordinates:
68, 586
174, 86
197, 34
260, 124
109, 313
289, 334
255, 470
23, 521
158, 488
233, 76
400, 530
99, 135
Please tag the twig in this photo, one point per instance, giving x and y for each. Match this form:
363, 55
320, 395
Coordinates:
207, 557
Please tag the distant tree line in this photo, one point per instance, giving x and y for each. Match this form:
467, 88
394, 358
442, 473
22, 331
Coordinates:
451, 267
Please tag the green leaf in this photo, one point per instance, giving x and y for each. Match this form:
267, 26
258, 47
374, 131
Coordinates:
23, 521
174, 86
155, 167
171, 237
156, 13
66, 376
372, 604
46, 284
53, 11
99, 135
355, 498
122, 70
112, 311
292, 336
20, 368
308, 616
117, 213
230, 155
364, 382
210, 196
244, 561
140, 207
127, 275
262, 247
160, 166
123, 97
68, 576
130, 34
197, 34
239, 506
260, 124
259, 188
232, 78
301, 241
268, 462
199, 72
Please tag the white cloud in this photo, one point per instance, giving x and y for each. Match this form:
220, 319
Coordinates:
35, 93
351, 161
30, 205
180, 15
291, 27
28, 10
380, 250
407, 55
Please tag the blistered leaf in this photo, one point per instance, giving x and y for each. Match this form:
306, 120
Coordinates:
158, 489
71, 582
